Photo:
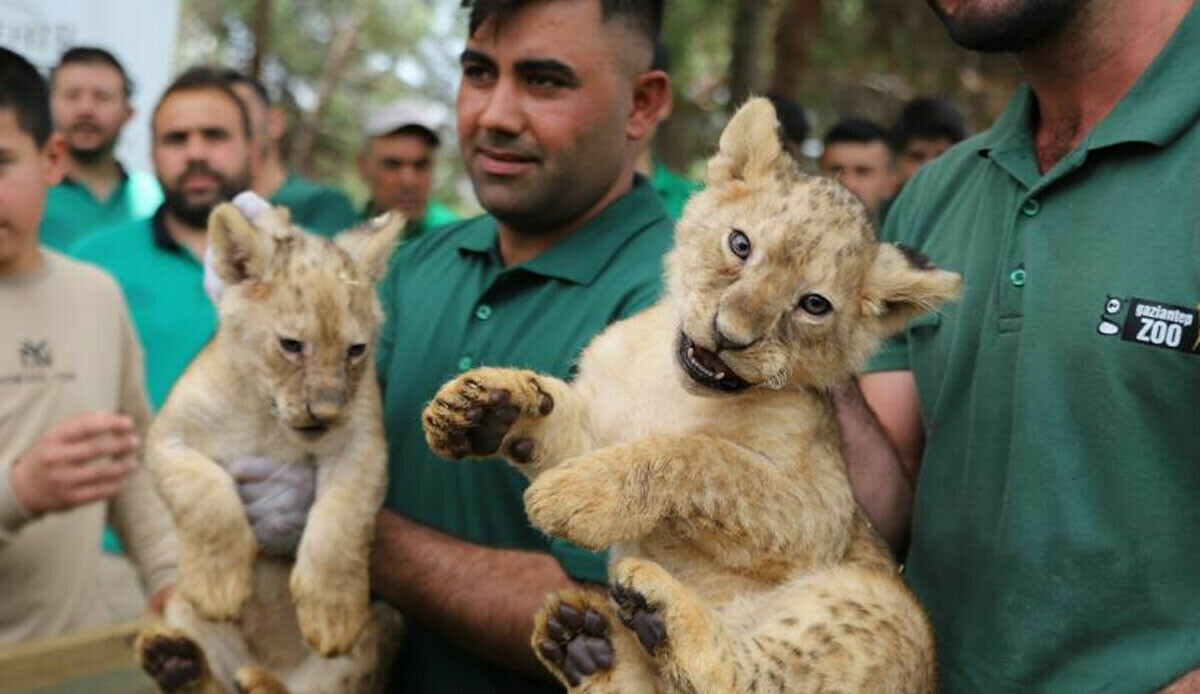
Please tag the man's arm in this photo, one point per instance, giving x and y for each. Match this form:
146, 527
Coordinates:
481, 598
877, 423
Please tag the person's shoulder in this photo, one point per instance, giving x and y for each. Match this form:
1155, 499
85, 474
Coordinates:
82, 279
112, 241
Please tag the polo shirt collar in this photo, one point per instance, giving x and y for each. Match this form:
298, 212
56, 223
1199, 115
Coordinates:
122, 180
1162, 103
580, 257
162, 237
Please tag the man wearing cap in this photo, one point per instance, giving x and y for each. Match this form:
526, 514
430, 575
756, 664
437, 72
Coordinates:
397, 164
315, 207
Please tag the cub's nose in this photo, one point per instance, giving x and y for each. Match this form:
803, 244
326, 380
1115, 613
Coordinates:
324, 412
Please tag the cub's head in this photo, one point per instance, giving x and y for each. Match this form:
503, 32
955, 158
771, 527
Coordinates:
776, 278
299, 315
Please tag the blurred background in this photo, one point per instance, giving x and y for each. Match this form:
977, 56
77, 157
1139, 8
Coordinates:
329, 63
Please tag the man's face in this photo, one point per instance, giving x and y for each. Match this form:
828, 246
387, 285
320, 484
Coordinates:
201, 153
919, 151
25, 172
542, 111
89, 107
398, 169
863, 167
1004, 25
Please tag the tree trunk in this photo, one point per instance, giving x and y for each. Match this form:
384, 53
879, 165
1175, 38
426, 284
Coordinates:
335, 64
262, 36
794, 36
743, 67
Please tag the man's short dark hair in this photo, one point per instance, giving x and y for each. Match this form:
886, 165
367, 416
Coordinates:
929, 118
792, 119
858, 130
24, 92
91, 55
644, 15
204, 77
239, 77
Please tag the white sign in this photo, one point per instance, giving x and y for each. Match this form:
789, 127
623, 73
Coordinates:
140, 33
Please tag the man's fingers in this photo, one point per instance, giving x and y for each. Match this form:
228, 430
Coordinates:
83, 476
95, 447
92, 424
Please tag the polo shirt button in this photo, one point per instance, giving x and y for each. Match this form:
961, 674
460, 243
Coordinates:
1017, 277
465, 363
483, 312
1031, 207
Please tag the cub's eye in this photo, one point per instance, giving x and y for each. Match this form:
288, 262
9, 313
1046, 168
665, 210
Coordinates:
739, 243
356, 350
291, 346
815, 304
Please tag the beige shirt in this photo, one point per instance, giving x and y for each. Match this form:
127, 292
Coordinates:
66, 347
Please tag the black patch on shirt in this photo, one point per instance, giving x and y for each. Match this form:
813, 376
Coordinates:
1162, 325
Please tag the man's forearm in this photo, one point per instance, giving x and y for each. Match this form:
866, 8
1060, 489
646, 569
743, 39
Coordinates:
876, 474
481, 598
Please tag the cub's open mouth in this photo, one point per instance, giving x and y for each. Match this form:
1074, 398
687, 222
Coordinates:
706, 368
312, 430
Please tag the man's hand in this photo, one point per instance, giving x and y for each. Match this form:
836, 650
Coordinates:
158, 601
83, 459
277, 497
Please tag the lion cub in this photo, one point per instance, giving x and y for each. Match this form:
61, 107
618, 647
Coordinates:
290, 376
699, 441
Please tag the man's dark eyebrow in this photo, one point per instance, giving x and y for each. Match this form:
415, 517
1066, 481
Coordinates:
547, 65
471, 55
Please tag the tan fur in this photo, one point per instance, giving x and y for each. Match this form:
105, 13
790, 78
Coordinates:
731, 513
308, 624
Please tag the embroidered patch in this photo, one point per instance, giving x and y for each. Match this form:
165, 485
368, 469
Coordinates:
1152, 323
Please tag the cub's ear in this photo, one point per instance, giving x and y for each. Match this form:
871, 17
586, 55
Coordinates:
749, 146
902, 284
240, 251
370, 245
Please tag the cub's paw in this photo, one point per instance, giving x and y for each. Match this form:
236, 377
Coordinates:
586, 500
331, 615
171, 659
639, 616
472, 415
252, 679
570, 636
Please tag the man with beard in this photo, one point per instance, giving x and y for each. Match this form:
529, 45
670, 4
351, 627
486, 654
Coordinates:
201, 150
1047, 417
89, 102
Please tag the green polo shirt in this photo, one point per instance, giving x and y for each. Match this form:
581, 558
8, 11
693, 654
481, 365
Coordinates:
164, 288
452, 305
1056, 527
72, 211
314, 207
672, 188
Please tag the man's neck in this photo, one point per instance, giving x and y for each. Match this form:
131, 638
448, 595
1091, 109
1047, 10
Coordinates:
100, 177
271, 176
192, 238
517, 247
1081, 74
27, 261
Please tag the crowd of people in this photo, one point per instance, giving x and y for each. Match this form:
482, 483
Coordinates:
1029, 466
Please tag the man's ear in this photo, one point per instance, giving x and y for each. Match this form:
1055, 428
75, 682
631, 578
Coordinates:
276, 123
750, 146
902, 284
651, 104
54, 159
370, 245
240, 251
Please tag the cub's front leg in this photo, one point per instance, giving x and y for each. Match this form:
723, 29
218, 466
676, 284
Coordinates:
215, 543
533, 421
330, 579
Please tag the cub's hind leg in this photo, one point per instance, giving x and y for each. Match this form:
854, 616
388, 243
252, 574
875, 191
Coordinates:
363, 670
188, 654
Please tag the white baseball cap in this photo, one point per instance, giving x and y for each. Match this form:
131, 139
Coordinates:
404, 113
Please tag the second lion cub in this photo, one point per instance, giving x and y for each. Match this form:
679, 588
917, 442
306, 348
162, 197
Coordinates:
289, 376
699, 441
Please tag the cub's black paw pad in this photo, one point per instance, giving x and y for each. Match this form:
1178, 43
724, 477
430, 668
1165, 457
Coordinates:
643, 619
172, 662
577, 642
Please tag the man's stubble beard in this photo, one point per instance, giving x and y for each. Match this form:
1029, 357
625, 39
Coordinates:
1021, 25
196, 216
